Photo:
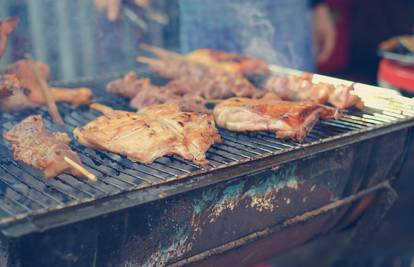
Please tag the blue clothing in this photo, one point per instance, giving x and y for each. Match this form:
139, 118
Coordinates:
279, 31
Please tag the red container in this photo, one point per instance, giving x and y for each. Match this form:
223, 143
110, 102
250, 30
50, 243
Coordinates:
397, 75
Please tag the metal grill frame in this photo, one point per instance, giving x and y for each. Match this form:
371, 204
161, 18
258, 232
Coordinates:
79, 210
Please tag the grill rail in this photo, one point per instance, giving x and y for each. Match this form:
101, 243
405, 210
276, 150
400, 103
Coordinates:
26, 197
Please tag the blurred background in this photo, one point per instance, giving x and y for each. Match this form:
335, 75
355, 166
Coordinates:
78, 41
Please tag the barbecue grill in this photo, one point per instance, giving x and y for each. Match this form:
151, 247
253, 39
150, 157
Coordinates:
258, 197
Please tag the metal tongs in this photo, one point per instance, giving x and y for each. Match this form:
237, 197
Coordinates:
149, 12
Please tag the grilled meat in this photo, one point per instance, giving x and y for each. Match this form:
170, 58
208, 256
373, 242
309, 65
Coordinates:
12, 95
297, 88
33, 144
151, 133
209, 83
190, 93
6, 27
216, 59
129, 85
24, 72
176, 68
289, 120
230, 62
144, 94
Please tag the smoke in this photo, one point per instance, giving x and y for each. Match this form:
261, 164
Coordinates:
277, 31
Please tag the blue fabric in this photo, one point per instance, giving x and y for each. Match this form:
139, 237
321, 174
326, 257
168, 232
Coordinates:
279, 31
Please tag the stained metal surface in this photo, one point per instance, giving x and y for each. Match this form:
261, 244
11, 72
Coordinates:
177, 229
26, 197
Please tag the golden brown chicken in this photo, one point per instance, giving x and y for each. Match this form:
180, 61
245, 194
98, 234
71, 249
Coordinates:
23, 70
33, 144
289, 120
6, 27
151, 133
298, 88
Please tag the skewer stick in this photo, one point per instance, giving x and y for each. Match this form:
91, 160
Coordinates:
81, 169
148, 60
101, 108
160, 52
50, 100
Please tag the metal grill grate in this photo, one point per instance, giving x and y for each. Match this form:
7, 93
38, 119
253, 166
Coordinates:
24, 192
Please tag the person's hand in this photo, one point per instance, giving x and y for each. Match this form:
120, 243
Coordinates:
324, 33
113, 7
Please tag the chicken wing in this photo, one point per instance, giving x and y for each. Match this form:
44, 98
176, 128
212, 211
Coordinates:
24, 72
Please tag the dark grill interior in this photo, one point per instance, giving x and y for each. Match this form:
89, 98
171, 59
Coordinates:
23, 190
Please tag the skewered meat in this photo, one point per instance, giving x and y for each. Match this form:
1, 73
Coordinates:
6, 27
33, 144
151, 133
210, 83
24, 72
129, 85
231, 62
216, 59
176, 68
289, 120
296, 88
144, 94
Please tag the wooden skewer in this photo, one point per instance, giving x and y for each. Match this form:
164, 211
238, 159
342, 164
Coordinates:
50, 100
162, 53
101, 108
81, 169
148, 60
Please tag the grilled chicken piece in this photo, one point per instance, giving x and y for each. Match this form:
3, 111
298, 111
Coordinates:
151, 133
24, 72
176, 68
208, 82
220, 60
216, 86
12, 95
289, 120
129, 85
231, 62
33, 144
6, 27
298, 88
143, 93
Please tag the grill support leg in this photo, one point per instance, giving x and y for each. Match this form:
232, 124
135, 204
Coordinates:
365, 229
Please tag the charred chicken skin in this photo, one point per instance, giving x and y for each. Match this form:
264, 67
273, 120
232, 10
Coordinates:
289, 120
6, 27
23, 70
33, 144
299, 88
151, 133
